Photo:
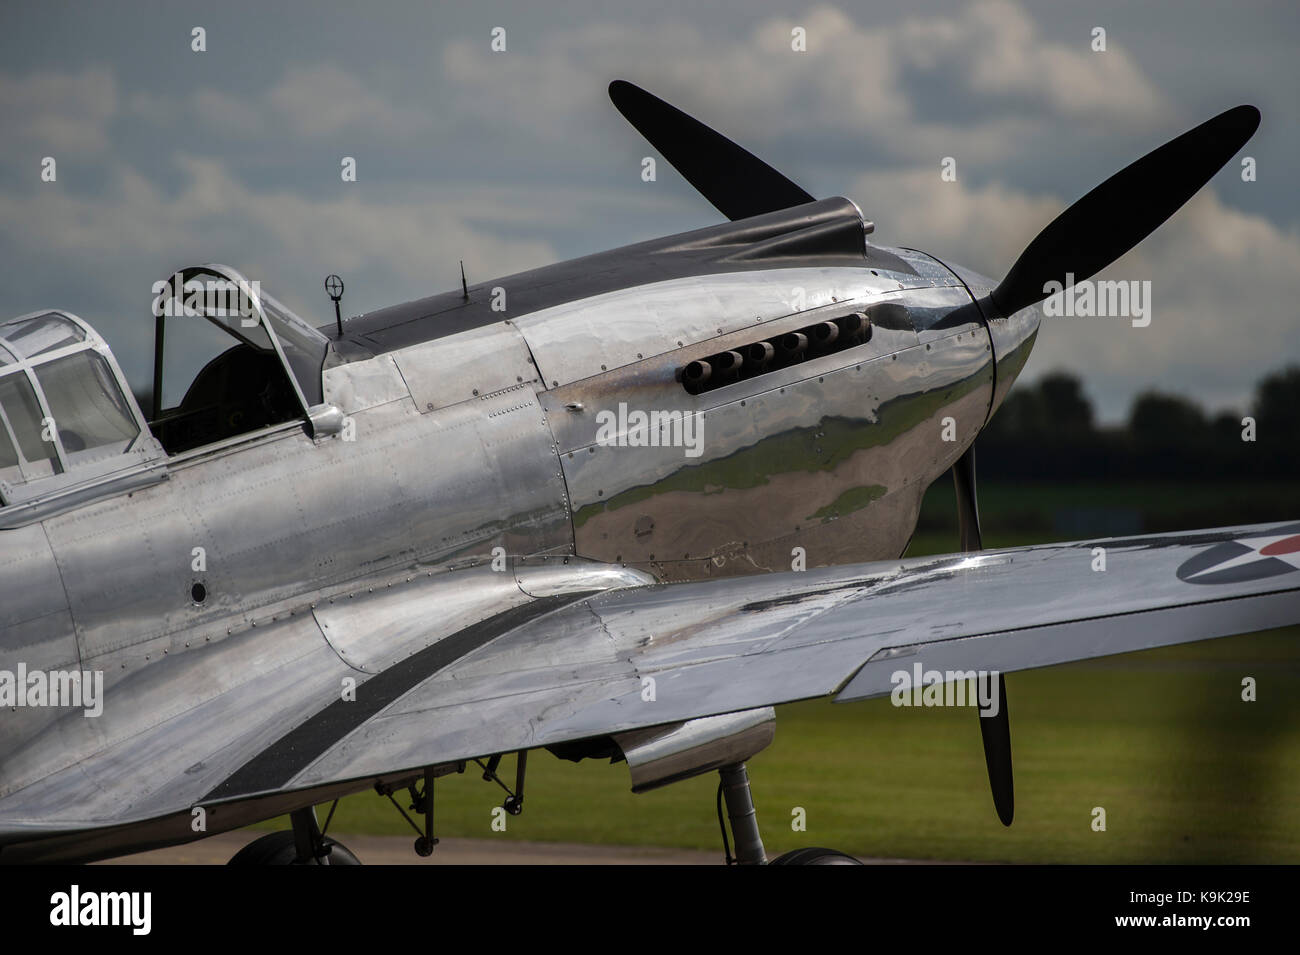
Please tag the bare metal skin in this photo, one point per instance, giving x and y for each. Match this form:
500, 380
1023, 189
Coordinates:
460, 541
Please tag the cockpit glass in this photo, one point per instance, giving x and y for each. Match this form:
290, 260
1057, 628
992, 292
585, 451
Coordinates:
88, 410
44, 333
9, 470
304, 346
247, 328
22, 418
228, 301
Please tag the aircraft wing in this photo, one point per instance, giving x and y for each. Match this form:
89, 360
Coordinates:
471, 663
713, 647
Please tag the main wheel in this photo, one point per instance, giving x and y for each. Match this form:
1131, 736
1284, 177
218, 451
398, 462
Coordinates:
279, 848
812, 855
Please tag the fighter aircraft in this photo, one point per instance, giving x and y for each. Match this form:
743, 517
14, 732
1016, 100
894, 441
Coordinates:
618, 507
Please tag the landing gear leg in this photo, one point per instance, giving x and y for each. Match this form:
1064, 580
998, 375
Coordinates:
514, 803
421, 803
734, 788
424, 805
744, 820
307, 840
304, 844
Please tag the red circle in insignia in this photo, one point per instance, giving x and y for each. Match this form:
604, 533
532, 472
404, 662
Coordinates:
1287, 546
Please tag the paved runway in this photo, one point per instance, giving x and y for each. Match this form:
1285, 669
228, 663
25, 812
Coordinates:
396, 850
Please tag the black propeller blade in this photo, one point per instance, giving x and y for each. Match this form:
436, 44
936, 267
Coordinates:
995, 730
1124, 209
968, 515
737, 182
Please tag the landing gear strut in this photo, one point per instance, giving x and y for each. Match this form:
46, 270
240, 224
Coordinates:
422, 799
733, 788
514, 803
304, 844
422, 804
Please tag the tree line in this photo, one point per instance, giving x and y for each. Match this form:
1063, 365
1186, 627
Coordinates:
1047, 430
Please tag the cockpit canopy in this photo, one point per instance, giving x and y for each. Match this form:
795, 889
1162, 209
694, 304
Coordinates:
269, 374
68, 417
64, 404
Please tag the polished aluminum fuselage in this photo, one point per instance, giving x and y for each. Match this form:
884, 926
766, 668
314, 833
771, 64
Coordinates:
466, 451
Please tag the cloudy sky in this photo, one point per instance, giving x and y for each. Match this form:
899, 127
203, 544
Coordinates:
510, 160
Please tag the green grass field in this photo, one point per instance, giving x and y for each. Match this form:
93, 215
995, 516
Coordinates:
1185, 770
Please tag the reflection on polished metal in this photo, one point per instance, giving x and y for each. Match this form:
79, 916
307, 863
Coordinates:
666, 754
349, 551
744, 819
427, 508
325, 420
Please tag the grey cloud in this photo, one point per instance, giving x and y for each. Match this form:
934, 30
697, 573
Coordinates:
512, 160
320, 101
978, 77
61, 112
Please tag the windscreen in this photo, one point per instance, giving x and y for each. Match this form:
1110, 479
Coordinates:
23, 423
92, 418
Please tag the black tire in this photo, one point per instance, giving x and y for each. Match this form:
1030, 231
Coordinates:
812, 855
279, 848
